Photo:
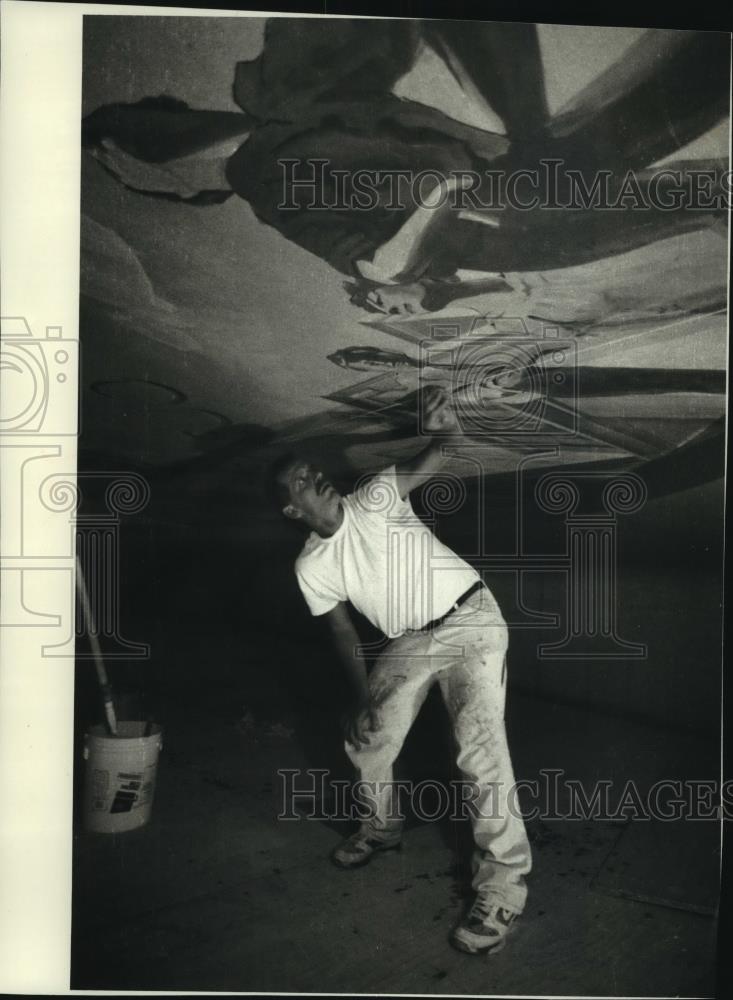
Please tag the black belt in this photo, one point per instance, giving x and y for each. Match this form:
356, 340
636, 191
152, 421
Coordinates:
454, 607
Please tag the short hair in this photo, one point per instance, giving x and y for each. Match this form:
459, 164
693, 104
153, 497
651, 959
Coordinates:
278, 492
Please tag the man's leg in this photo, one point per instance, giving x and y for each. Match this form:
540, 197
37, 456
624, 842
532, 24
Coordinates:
398, 685
666, 90
498, 64
474, 691
539, 240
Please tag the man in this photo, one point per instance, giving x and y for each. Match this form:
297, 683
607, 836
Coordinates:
370, 550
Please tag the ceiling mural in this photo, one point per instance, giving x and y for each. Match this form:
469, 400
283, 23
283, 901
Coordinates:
209, 303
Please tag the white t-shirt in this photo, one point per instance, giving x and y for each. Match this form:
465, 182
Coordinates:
384, 560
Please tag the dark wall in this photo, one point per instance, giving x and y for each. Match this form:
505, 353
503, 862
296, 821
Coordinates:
210, 587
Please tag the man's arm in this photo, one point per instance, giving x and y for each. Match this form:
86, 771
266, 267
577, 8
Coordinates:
346, 639
361, 718
437, 417
407, 255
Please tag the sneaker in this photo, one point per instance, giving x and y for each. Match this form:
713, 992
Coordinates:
360, 848
485, 927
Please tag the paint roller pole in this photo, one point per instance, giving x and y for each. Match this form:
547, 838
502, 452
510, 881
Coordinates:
109, 708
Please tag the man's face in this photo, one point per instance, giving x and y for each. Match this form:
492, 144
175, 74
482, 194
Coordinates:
313, 498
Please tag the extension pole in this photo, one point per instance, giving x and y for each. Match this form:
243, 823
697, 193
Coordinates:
109, 708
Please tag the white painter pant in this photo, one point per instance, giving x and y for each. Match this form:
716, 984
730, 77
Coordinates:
466, 656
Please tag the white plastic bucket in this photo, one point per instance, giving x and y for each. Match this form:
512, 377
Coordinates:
119, 780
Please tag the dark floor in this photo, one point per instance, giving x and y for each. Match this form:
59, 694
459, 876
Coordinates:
217, 894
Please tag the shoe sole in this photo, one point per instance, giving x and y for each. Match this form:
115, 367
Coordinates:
472, 946
469, 948
348, 865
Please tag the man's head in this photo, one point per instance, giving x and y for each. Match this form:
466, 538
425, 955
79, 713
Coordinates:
303, 493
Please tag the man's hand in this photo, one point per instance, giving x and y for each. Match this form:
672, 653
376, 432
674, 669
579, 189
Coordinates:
437, 417
438, 414
359, 723
398, 300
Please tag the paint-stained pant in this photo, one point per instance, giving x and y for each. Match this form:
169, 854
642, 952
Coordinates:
467, 657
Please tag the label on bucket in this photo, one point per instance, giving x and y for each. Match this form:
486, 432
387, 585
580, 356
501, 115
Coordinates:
126, 796
131, 790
